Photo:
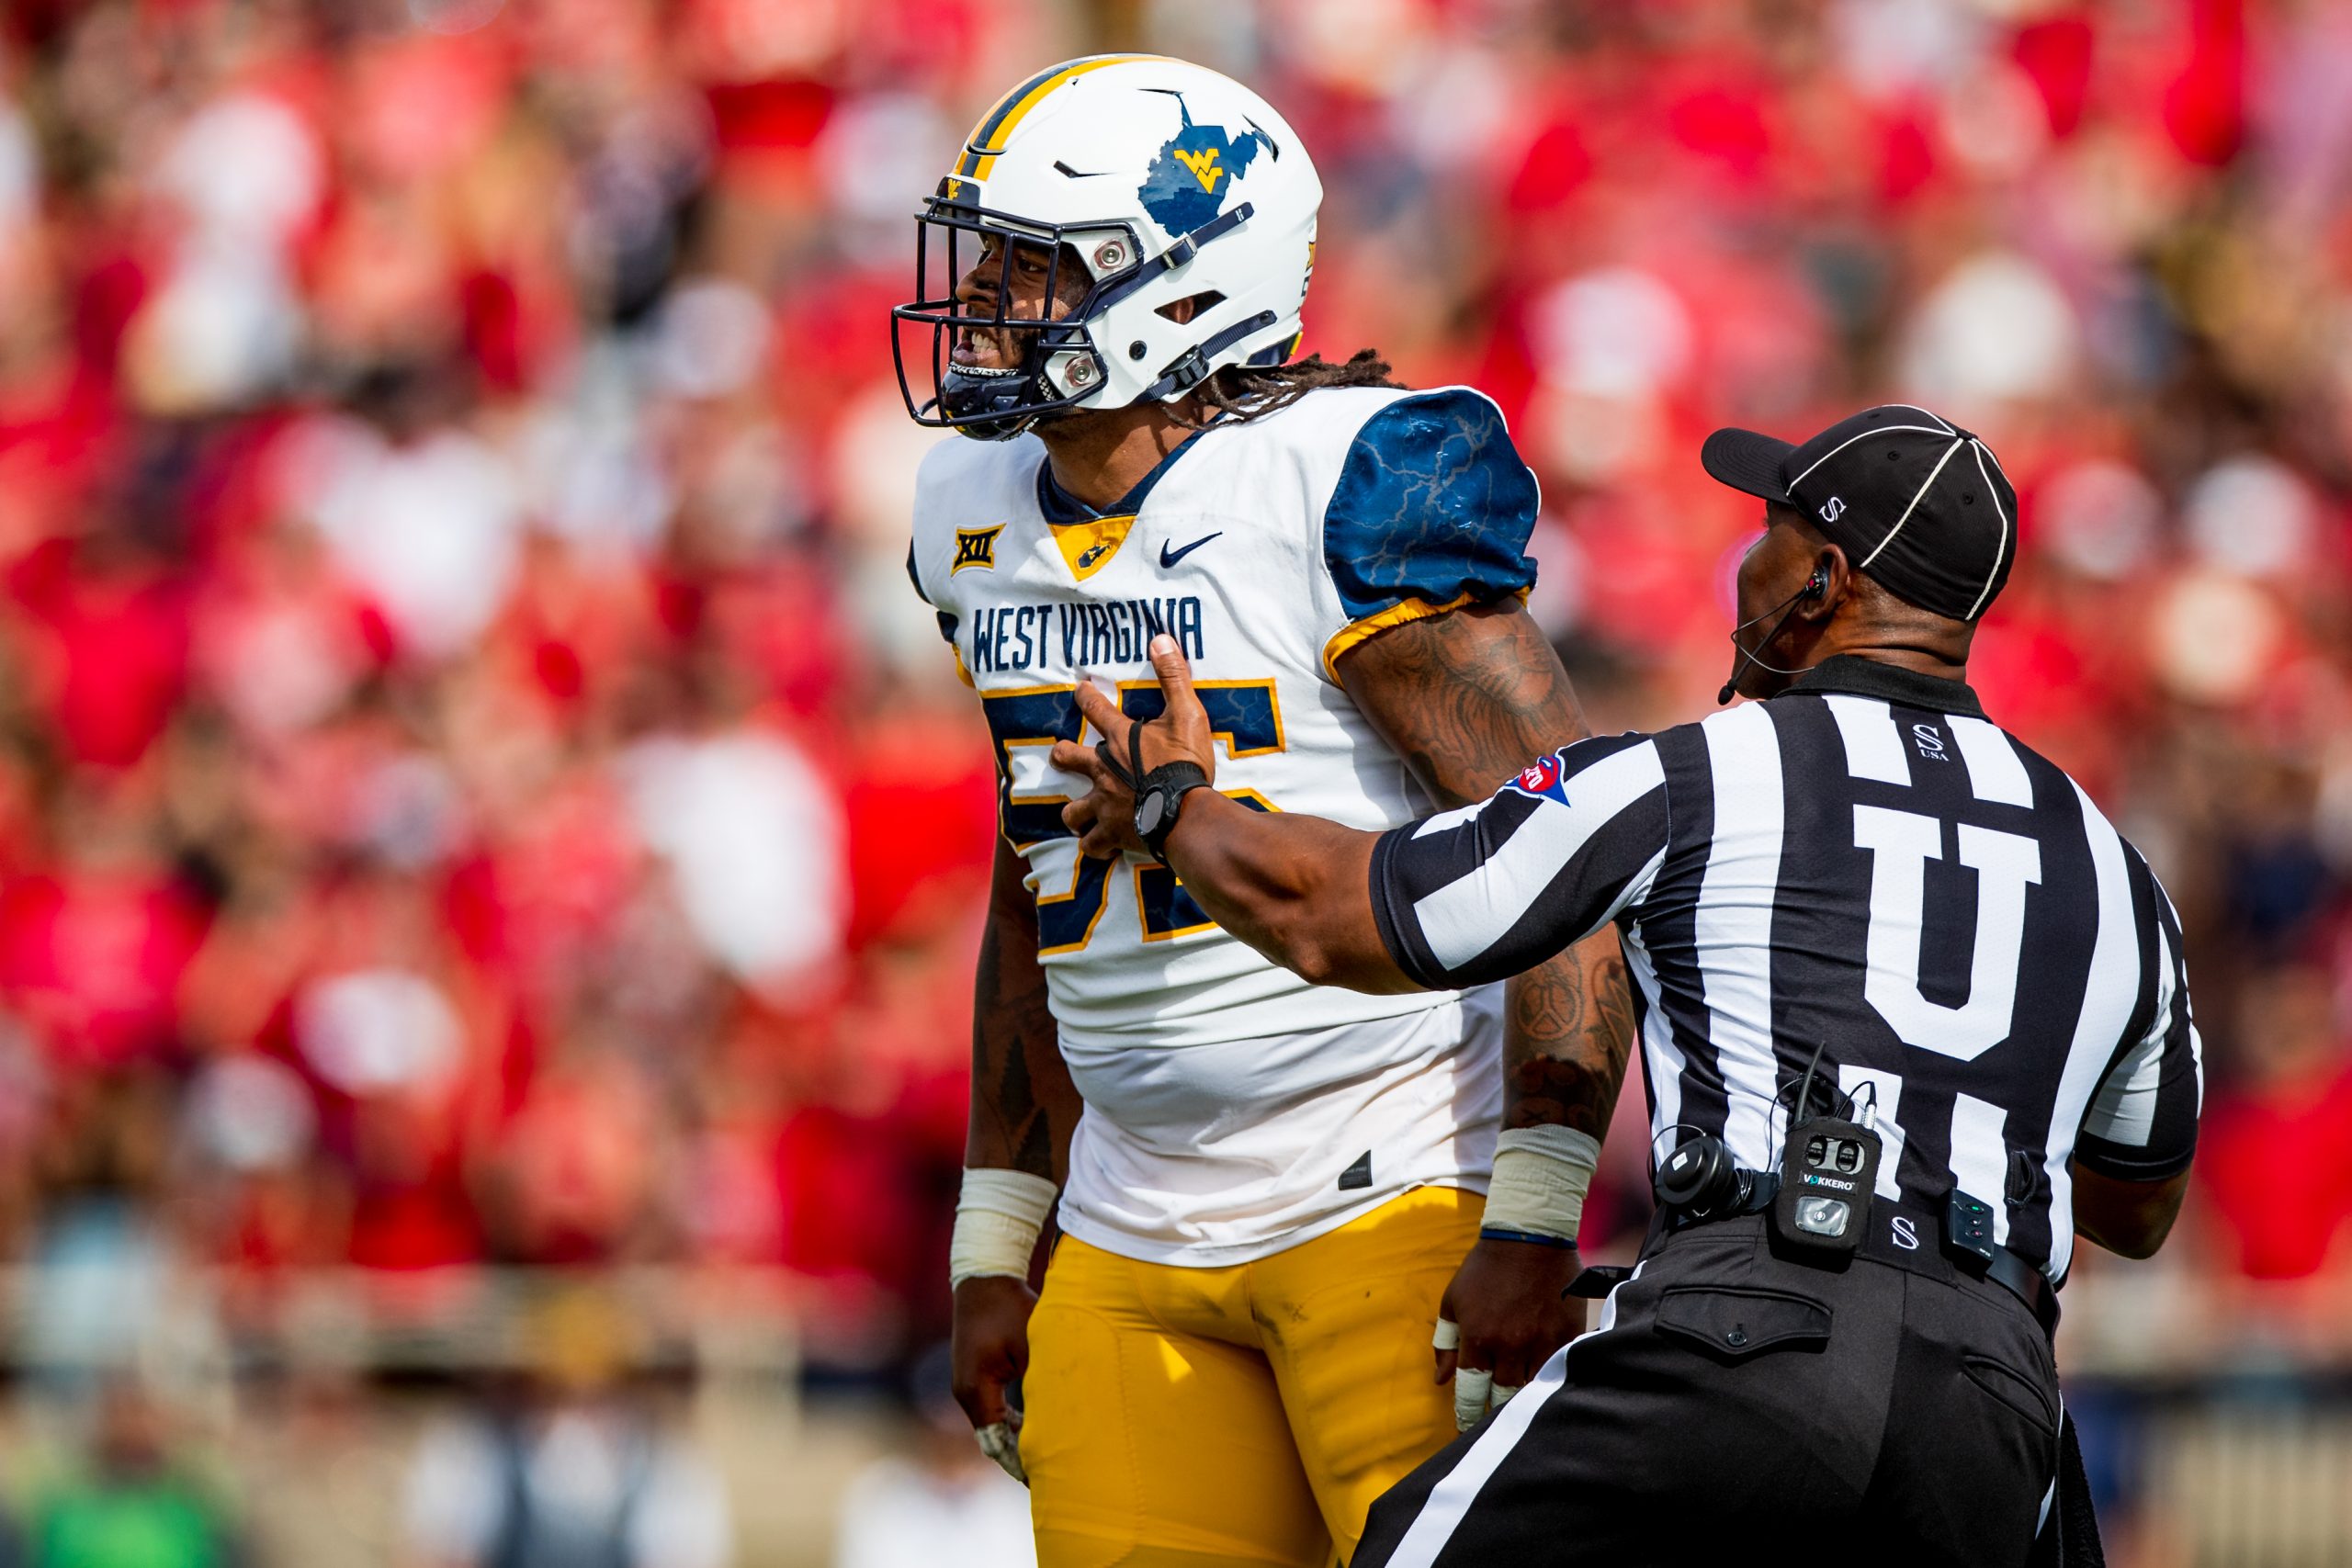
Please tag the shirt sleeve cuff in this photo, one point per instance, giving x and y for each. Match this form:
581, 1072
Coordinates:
2125, 1163
1396, 931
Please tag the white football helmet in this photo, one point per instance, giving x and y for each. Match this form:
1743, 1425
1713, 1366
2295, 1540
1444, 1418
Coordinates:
1159, 181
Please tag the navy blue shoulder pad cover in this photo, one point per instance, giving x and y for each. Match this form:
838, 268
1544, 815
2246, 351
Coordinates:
1433, 504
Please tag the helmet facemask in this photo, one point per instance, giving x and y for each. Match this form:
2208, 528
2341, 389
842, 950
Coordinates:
1044, 362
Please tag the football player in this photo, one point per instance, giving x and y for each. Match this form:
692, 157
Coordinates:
1268, 1191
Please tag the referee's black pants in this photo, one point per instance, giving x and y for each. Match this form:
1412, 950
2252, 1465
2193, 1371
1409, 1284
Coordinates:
1736, 1407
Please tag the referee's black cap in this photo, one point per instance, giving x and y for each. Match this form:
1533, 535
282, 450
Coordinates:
1917, 503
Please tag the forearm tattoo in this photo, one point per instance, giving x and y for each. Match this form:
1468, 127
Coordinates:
1024, 1105
1570, 1029
1469, 699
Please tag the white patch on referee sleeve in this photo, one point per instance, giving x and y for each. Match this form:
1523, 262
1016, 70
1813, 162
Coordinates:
1980, 1157
2124, 1110
1996, 772
1873, 746
2108, 990
1734, 926
1469, 915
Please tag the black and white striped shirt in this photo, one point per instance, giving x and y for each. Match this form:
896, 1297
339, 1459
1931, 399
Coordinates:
1863, 860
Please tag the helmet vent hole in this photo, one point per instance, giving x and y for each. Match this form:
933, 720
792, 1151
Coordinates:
1137, 350
1192, 305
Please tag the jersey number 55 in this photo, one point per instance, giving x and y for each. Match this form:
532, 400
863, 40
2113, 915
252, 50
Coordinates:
1244, 714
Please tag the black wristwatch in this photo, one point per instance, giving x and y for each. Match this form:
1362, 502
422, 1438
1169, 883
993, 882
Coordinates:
1158, 797
1159, 794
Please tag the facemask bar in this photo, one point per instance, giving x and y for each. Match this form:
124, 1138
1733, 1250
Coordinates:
1027, 393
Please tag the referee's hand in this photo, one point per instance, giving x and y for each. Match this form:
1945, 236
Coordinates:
1104, 818
1510, 1308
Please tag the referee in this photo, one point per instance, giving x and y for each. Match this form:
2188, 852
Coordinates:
1870, 934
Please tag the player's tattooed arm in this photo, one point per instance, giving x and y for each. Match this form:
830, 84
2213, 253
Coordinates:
1024, 1108
1468, 699
1024, 1105
1569, 1031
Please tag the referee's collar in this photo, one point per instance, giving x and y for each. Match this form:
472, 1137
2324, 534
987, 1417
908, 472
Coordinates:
1909, 688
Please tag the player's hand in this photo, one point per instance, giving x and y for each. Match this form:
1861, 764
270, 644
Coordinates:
988, 1352
1508, 1310
1104, 820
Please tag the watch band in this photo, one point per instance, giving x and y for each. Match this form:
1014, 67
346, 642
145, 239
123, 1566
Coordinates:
1159, 794
1164, 788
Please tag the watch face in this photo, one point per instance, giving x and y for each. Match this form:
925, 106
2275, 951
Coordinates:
1148, 811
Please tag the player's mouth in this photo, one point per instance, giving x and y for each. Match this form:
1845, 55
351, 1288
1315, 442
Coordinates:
982, 352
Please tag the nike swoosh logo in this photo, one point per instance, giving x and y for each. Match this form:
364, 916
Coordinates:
1169, 557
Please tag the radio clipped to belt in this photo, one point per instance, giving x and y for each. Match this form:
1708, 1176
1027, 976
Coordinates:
1820, 1196
1828, 1169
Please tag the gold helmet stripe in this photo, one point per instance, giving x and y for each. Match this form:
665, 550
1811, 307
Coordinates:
988, 137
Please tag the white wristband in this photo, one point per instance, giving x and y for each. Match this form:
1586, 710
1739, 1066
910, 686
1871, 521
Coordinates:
997, 1223
1541, 1176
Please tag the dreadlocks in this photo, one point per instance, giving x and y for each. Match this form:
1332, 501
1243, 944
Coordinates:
1240, 392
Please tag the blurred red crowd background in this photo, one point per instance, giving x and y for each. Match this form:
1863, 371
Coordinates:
475, 786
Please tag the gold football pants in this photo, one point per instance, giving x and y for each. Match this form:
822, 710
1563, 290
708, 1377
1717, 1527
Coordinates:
1185, 1417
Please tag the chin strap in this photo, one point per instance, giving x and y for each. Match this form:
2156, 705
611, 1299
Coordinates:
1193, 367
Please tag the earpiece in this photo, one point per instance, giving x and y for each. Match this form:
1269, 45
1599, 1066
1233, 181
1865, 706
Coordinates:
1816, 587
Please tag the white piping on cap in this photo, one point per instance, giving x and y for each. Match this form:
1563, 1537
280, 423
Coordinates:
1978, 450
1881, 429
1913, 507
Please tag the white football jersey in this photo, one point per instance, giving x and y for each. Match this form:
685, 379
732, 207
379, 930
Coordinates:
1233, 1109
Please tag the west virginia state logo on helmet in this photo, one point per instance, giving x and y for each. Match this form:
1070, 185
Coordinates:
1126, 209
1186, 184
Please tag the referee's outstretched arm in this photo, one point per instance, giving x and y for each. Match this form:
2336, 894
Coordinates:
1302, 890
